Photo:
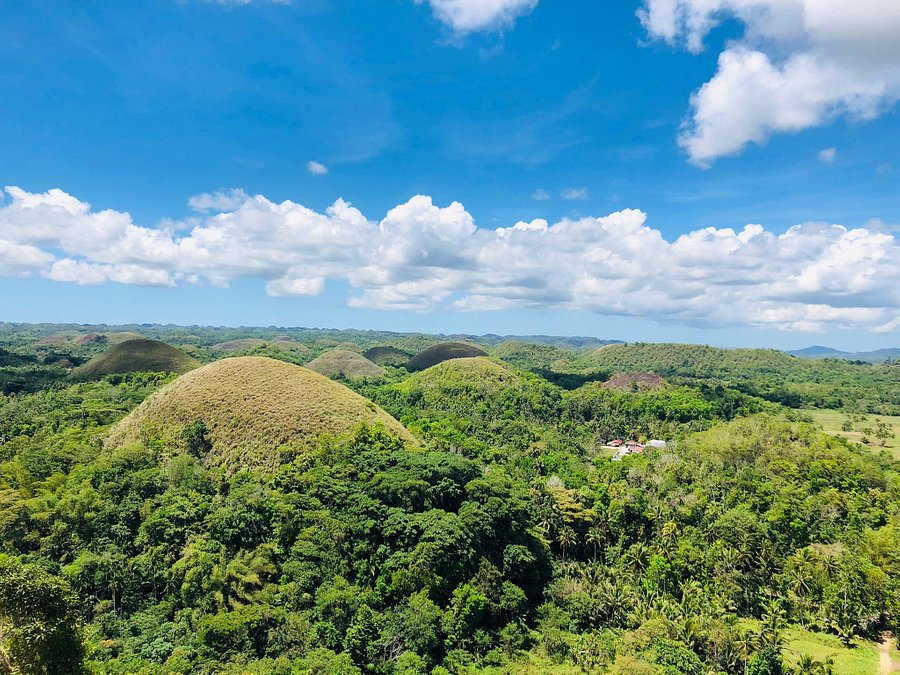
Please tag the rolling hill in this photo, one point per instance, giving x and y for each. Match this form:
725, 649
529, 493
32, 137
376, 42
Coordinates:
476, 372
440, 352
819, 352
136, 356
766, 373
252, 406
344, 363
387, 356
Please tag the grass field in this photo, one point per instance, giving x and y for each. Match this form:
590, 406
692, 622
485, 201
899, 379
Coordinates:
831, 421
862, 659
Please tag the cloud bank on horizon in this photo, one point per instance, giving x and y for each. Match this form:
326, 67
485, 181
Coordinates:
424, 257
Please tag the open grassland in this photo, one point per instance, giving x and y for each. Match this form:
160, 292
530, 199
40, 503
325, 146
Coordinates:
861, 659
252, 408
133, 356
831, 421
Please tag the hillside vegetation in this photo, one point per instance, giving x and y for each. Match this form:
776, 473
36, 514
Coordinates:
132, 356
766, 373
533, 356
345, 363
252, 410
238, 345
253, 517
442, 352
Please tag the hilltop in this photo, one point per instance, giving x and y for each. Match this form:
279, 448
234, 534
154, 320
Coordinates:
478, 372
634, 382
344, 363
387, 356
443, 351
136, 356
252, 407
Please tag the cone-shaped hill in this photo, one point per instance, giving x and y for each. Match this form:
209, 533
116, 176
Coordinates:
472, 373
251, 406
441, 352
634, 382
344, 363
134, 356
387, 356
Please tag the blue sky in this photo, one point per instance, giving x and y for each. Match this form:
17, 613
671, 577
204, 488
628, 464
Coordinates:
546, 113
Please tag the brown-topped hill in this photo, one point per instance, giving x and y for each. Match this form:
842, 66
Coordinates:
252, 407
134, 356
634, 382
441, 352
344, 363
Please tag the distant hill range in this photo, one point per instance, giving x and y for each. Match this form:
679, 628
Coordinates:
819, 352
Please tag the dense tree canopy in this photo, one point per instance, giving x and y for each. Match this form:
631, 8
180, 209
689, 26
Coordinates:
507, 538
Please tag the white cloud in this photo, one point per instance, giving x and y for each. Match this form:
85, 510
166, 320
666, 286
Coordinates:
468, 16
422, 256
575, 193
221, 200
316, 168
540, 195
800, 64
827, 155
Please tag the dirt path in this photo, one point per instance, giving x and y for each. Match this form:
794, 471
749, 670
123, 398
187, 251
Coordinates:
885, 647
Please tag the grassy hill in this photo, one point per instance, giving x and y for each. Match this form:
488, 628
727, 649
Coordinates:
386, 356
344, 363
475, 372
443, 351
136, 356
767, 373
634, 382
251, 406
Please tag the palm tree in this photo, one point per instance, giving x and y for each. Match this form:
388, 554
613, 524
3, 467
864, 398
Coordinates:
771, 631
595, 537
566, 539
637, 557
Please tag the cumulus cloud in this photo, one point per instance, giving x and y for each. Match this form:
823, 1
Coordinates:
468, 16
316, 168
799, 64
424, 256
540, 195
828, 155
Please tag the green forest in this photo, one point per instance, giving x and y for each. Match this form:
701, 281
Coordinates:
473, 516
